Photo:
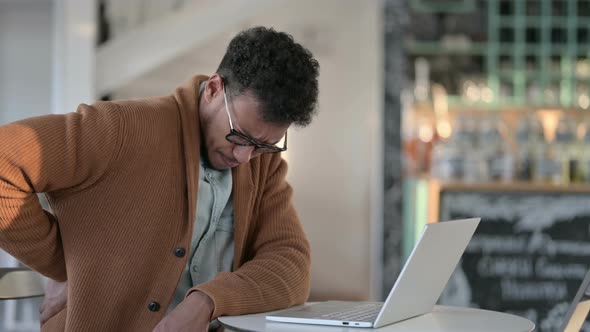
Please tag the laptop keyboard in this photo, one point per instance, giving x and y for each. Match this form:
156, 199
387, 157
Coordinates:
363, 313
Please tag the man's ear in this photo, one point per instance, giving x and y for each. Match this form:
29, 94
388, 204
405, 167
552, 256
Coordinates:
213, 87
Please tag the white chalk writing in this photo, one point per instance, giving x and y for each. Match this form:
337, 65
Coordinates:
497, 244
489, 266
513, 290
560, 271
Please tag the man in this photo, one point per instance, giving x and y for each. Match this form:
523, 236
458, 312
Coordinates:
176, 203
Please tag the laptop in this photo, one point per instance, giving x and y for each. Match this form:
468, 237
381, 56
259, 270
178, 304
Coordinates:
415, 292
578, 316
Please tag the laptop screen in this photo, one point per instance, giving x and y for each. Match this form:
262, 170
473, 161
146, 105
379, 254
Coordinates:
578, 315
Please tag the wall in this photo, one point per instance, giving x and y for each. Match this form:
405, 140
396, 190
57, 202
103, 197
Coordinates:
335, 163
25, 59
25, 91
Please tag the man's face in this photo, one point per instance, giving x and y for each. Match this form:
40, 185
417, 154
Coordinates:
245, 114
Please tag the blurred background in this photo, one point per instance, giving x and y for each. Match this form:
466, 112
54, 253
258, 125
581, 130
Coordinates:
430, 110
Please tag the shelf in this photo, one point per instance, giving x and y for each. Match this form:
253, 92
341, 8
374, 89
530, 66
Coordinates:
443, 6
437, 48
509, 109
515, 187
457, 102
541, 21
467, 47
554, 76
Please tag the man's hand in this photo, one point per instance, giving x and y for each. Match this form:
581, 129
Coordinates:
192, 314
56, 297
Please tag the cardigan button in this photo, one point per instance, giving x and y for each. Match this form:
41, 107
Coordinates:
154, 306
179, 252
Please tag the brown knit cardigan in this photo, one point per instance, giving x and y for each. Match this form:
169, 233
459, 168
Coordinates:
121, 178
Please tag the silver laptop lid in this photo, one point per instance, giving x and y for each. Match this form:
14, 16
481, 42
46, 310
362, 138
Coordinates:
427, 270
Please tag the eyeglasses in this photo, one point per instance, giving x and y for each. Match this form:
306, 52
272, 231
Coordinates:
238, 138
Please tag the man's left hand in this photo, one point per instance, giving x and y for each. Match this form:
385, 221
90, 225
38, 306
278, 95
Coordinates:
192, 314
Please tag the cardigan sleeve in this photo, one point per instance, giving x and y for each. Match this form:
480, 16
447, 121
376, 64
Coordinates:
47, 154
278, 273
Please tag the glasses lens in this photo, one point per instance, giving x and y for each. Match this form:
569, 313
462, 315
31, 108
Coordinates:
268, 150
238, 140
242, 141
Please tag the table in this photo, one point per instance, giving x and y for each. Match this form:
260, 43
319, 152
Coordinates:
20, 283
442, 318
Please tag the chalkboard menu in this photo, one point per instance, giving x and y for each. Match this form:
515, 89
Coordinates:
528, 256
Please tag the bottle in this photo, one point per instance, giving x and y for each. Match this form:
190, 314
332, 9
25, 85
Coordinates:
497, 151
547, 166
489, 141
584, 169
444, 166
447, 161
474, 167
550, 159
528, 141
449, 158
565, 145
579, 160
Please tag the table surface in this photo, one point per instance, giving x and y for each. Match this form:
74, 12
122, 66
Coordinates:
442, 318
20, 283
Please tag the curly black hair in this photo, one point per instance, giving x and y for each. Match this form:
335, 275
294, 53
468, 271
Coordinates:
280, 73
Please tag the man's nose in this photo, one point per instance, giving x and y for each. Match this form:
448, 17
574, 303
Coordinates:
242, 154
